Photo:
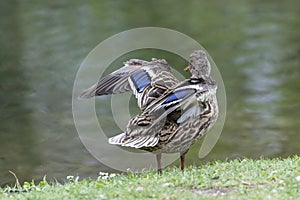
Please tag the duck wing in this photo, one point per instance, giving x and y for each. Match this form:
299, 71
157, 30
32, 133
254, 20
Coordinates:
143, 130
184, 98
147, 81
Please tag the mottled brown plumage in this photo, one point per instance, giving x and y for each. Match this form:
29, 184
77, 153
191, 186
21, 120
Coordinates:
173, 114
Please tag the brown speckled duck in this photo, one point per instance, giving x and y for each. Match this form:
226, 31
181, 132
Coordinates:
174, 114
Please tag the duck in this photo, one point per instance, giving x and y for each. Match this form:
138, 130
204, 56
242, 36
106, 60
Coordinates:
173, 114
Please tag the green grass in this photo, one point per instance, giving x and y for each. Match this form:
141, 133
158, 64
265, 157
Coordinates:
237, 179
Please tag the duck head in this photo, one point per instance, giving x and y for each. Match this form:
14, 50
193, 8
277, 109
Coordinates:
199, 65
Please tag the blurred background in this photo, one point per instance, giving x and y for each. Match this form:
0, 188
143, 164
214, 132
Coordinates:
255, 45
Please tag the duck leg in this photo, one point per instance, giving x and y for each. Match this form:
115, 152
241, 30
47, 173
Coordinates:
158, 160
182, 158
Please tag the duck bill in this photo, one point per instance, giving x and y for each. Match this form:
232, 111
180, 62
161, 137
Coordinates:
187, 68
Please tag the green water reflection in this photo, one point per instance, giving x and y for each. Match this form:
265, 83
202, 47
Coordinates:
254, 43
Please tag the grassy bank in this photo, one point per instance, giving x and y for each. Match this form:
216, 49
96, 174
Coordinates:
237, 179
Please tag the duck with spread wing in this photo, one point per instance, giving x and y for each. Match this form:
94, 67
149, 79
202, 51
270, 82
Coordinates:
174, 114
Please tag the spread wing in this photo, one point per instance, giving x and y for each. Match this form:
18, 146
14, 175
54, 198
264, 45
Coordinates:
147, 81
116, 82
148, 86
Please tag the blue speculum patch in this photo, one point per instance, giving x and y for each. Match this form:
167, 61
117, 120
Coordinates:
178, 95
141, 79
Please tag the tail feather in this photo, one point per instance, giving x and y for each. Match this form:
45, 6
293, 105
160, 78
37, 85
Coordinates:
118, 139
135, 142
139, 142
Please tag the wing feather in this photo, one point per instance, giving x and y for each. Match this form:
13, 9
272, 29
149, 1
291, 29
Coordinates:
135, 75
181, 97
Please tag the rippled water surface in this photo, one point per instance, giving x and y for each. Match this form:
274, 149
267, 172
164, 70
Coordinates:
254, 44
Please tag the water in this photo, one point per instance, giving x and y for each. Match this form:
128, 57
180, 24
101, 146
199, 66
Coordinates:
255, 45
